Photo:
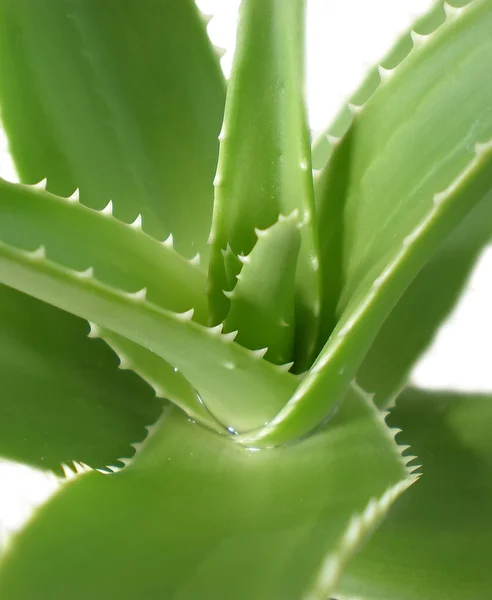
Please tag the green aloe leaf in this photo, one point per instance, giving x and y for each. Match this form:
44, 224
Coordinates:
242, 390
264, 164
392, 225
88, 240
166, 380
412, 324
436, 542
103, 96
262, 302
277, 523
62, 398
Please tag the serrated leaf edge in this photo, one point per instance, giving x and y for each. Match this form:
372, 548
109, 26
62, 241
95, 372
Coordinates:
361, 524
419, 40
482, 151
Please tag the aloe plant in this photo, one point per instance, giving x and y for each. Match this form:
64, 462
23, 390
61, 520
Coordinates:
206, 317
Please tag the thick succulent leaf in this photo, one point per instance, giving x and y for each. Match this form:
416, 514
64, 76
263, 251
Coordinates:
81, 238
103, 96
197, 516
264, 164
262, 303
242, 390
428, 300
358, 193
63, 398
392, 225
436, 543
166, 380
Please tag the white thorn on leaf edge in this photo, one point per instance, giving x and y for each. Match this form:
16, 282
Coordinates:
108, 209
137, 223
41, 185
384, 73
169, 241
81, 467
244, 259
95, 330
75, 197
205, 17
222, 134
87, 274
452, 11
229, 337
195, 260
124, 362
285, 366
38, 254
354, 109
137, 446
114, 468
418, 38
216, 330
67, 471
185, 316
139, 296
260, 353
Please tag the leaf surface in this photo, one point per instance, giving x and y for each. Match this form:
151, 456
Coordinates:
166, 380
242, 390
264, 165
428, 300
81, 238
195, 515
62, 397
378, 229
103, 96
436, 542
262, 302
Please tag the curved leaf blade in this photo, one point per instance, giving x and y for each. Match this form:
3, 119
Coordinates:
259, 523
264, 167
81, 238
63, 398
112, 108
322, 388
429, 299
167, 381
393, 225
436, 541
240, 389
262, 302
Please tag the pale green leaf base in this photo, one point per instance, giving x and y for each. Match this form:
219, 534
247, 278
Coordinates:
197, 516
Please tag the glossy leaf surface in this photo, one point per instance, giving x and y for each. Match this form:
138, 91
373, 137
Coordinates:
436, 543
196, 515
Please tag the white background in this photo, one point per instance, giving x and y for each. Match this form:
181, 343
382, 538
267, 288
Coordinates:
344, 38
